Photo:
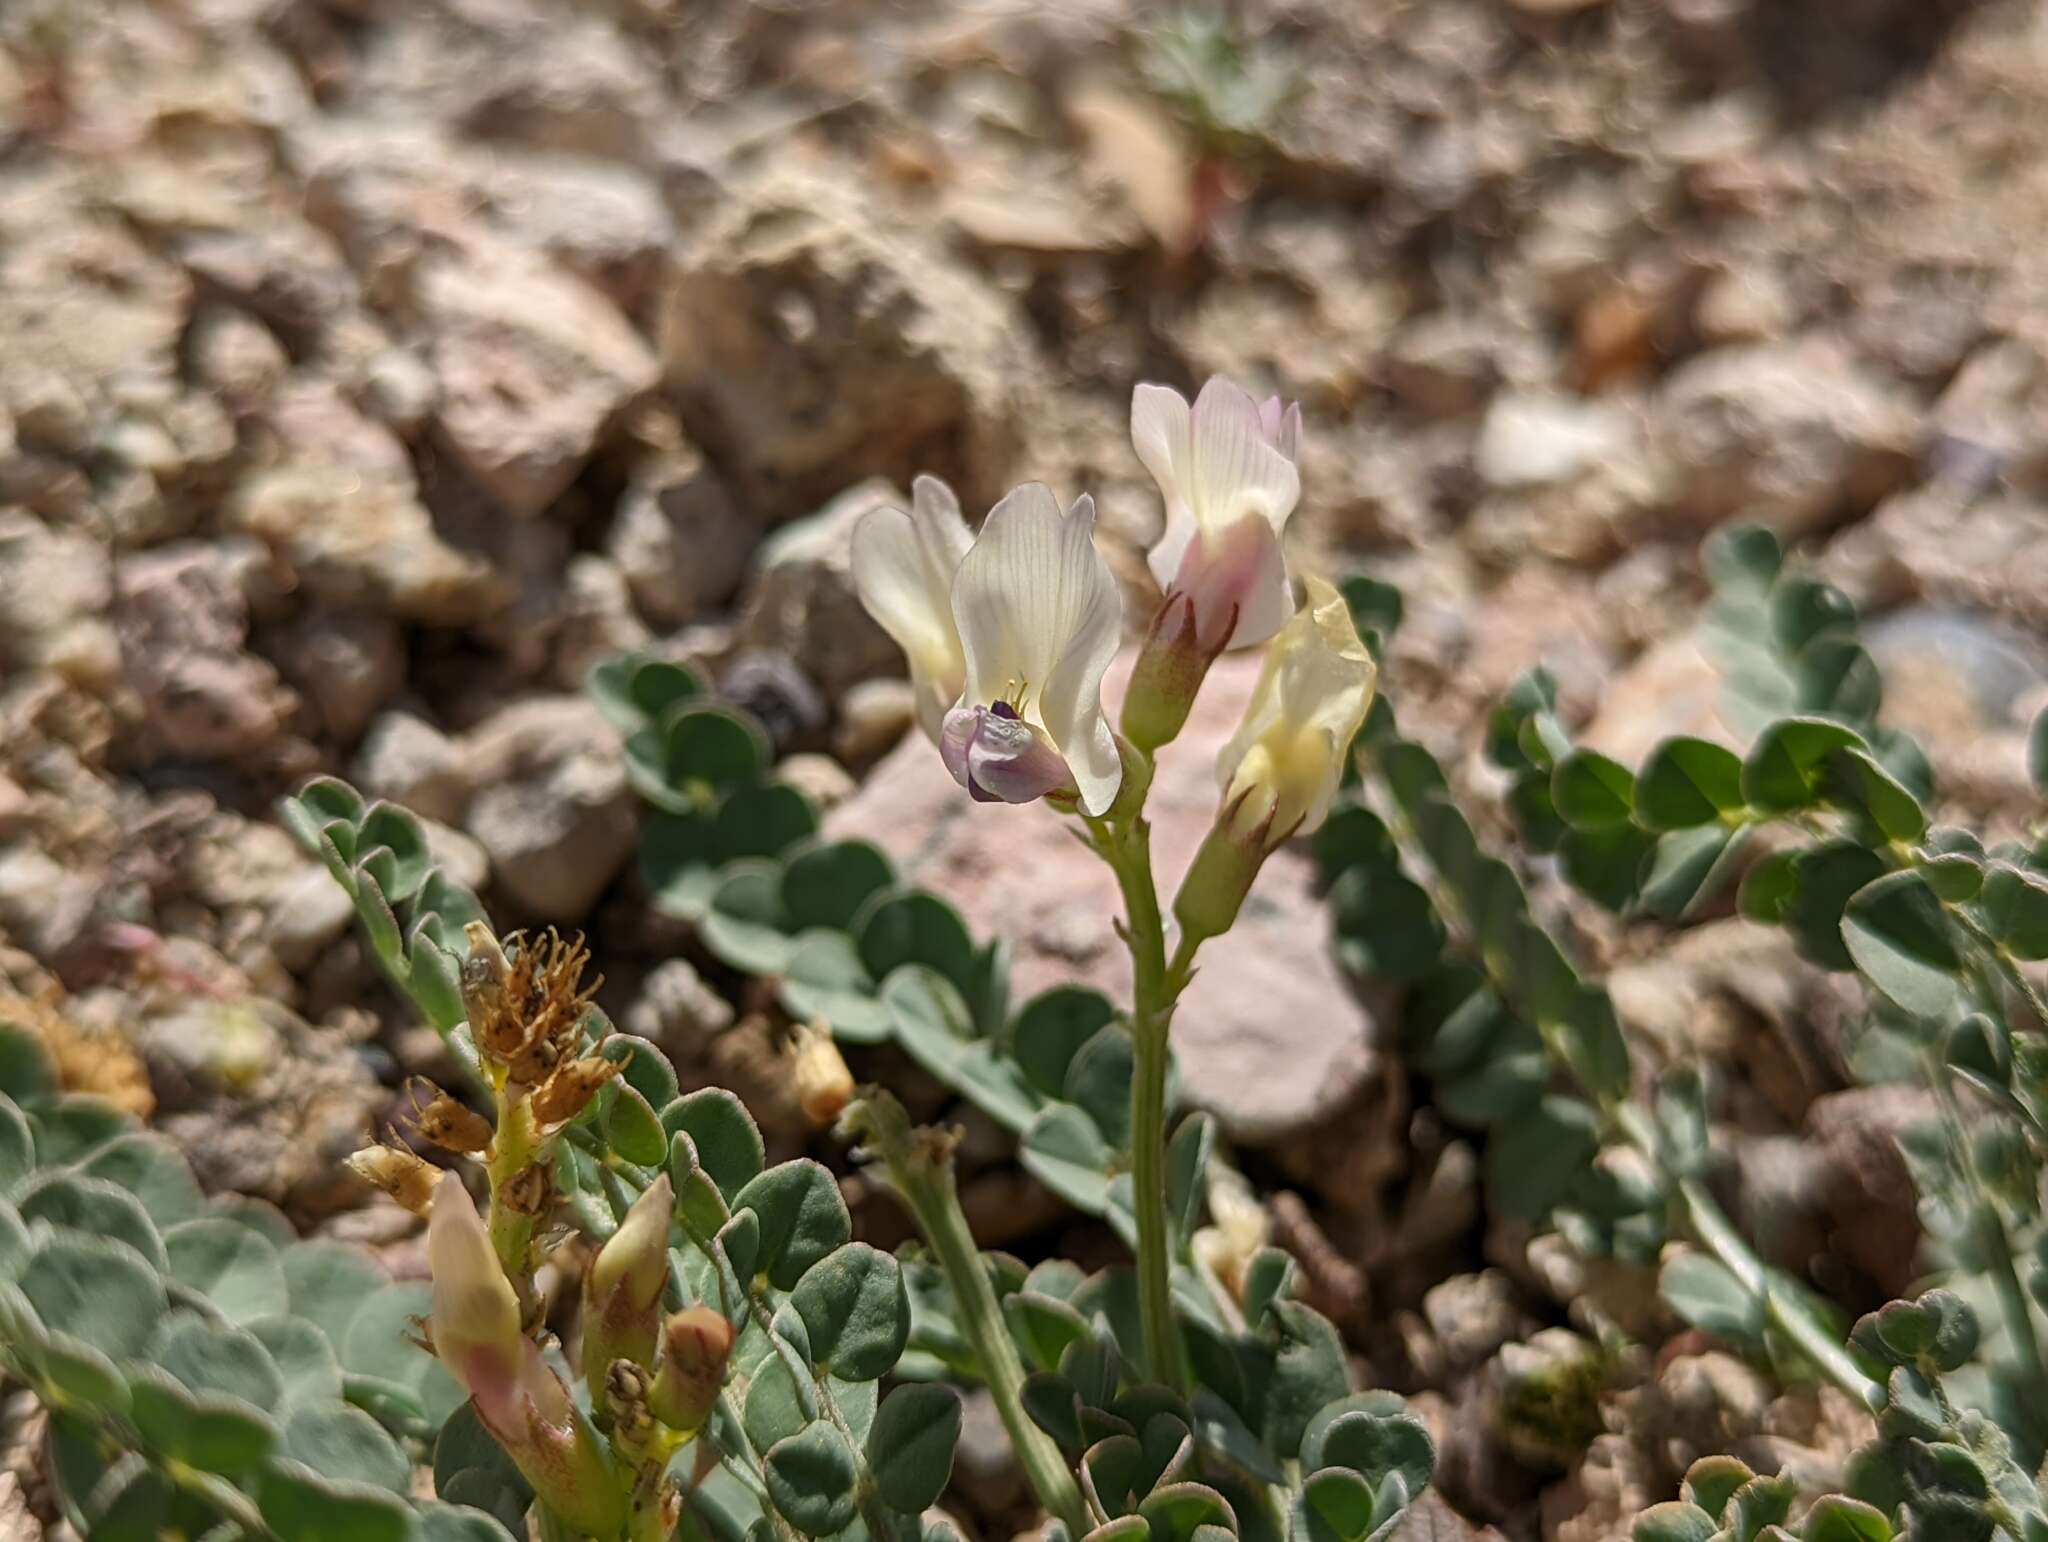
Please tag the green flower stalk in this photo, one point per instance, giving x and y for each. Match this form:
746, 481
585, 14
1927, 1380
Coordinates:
476, 1332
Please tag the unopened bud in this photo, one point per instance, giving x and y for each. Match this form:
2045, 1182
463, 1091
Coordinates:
622, 1290
1221, 875
696, 1343
451, 1125
824, 1086
1168, 675
399, 1173
570, 1087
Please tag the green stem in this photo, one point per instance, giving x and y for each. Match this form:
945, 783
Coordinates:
1127, 847
922, 1173
1992, 1240
1702, 1219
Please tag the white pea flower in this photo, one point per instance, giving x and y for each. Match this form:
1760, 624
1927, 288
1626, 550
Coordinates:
903, 568
1281, 768
1039, 617
1228, 469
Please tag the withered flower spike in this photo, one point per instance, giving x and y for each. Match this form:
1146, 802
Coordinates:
446, 1122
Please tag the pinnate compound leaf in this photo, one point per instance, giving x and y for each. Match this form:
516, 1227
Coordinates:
1700, 1290
1592, 791
803, 1218
1786, 767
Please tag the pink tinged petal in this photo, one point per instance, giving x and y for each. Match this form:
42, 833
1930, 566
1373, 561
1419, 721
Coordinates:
1236, 579
475, 1317
1172, 546
1010, 761
1236, 472
1280, 422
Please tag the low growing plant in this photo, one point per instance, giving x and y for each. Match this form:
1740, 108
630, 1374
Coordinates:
734, 1364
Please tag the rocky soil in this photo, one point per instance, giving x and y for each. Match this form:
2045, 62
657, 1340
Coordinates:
371, 368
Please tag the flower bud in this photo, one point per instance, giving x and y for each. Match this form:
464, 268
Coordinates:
475, 1326
622, 1290
1281, 769
399, 1173
824, 1086
1168, 675
696, 1343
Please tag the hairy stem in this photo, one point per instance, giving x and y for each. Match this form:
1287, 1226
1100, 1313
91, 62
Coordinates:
922, 1171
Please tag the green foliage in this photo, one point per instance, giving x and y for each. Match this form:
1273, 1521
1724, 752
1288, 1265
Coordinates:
1938, 927
1233, 91
195, 1368
741, 857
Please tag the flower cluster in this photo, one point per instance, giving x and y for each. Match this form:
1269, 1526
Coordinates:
1010, 631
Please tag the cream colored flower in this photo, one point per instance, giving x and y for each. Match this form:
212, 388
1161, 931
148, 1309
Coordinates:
1227, 468
1039, 617
1281, 768
475, 1326
903, 570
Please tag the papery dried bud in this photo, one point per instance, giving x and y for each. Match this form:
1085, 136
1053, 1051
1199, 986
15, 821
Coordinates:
399, 1173
626, 1388
824, 1086
451, 1125
696, 1344
486, 998
527, 1192
569, 1089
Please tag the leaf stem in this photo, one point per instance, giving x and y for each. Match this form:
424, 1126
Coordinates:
921, 1168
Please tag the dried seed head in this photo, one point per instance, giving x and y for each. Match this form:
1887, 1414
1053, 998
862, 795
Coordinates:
527, 1007
399, 1173
528, 1191
451, 1125
570, 1088
824, 1086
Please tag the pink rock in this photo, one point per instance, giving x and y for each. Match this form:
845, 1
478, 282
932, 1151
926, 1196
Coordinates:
1269, 1037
